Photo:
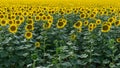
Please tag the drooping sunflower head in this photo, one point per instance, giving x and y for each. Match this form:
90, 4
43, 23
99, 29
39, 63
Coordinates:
13, 28
105, 28
28, 35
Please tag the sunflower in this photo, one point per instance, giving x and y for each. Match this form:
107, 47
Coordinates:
117, 23
73, 36
90, 29
37, 18
78, 24
98, 21
111, 20
21, 18
90, 25
118, 40
3, 22
37, 44
2, 16
28, 35
30, 21
44, 17
46, 25
18, 22
105, 28
85, 23
13, 28
79, 30
50, 21
92, 15
82, 15
61, 23
29, 27
94, 25
10, 22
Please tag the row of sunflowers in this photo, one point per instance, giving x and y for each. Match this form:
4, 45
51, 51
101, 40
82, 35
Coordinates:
71, 35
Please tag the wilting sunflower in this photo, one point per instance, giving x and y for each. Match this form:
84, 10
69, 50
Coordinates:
3, 22
61, 24
46, 25
29, 27
105, 28
118, 40
98, 21
13, 28
28, 35
37, 44
78, 24
117, 23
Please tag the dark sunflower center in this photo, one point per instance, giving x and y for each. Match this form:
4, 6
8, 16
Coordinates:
105, 27
28, 34
29, 26
3, 22
13, 28
60, 23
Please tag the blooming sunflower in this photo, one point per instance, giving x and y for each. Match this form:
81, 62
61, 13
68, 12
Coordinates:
85, 23
98, 21
61, 23
78, 24
118, 40
46, 25
3, 22
105, 28
37, 44
29, 27
28, 35
117, 23
13, 28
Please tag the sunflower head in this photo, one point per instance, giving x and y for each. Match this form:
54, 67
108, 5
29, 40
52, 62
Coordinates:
47, 25
28, 35
98, 21
105, 28
3, 22
78, 24
37, 44
61, 23
117, 23
13, 28
29, 27
85, 23
118, 40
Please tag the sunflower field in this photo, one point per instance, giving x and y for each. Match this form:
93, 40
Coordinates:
60, 34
